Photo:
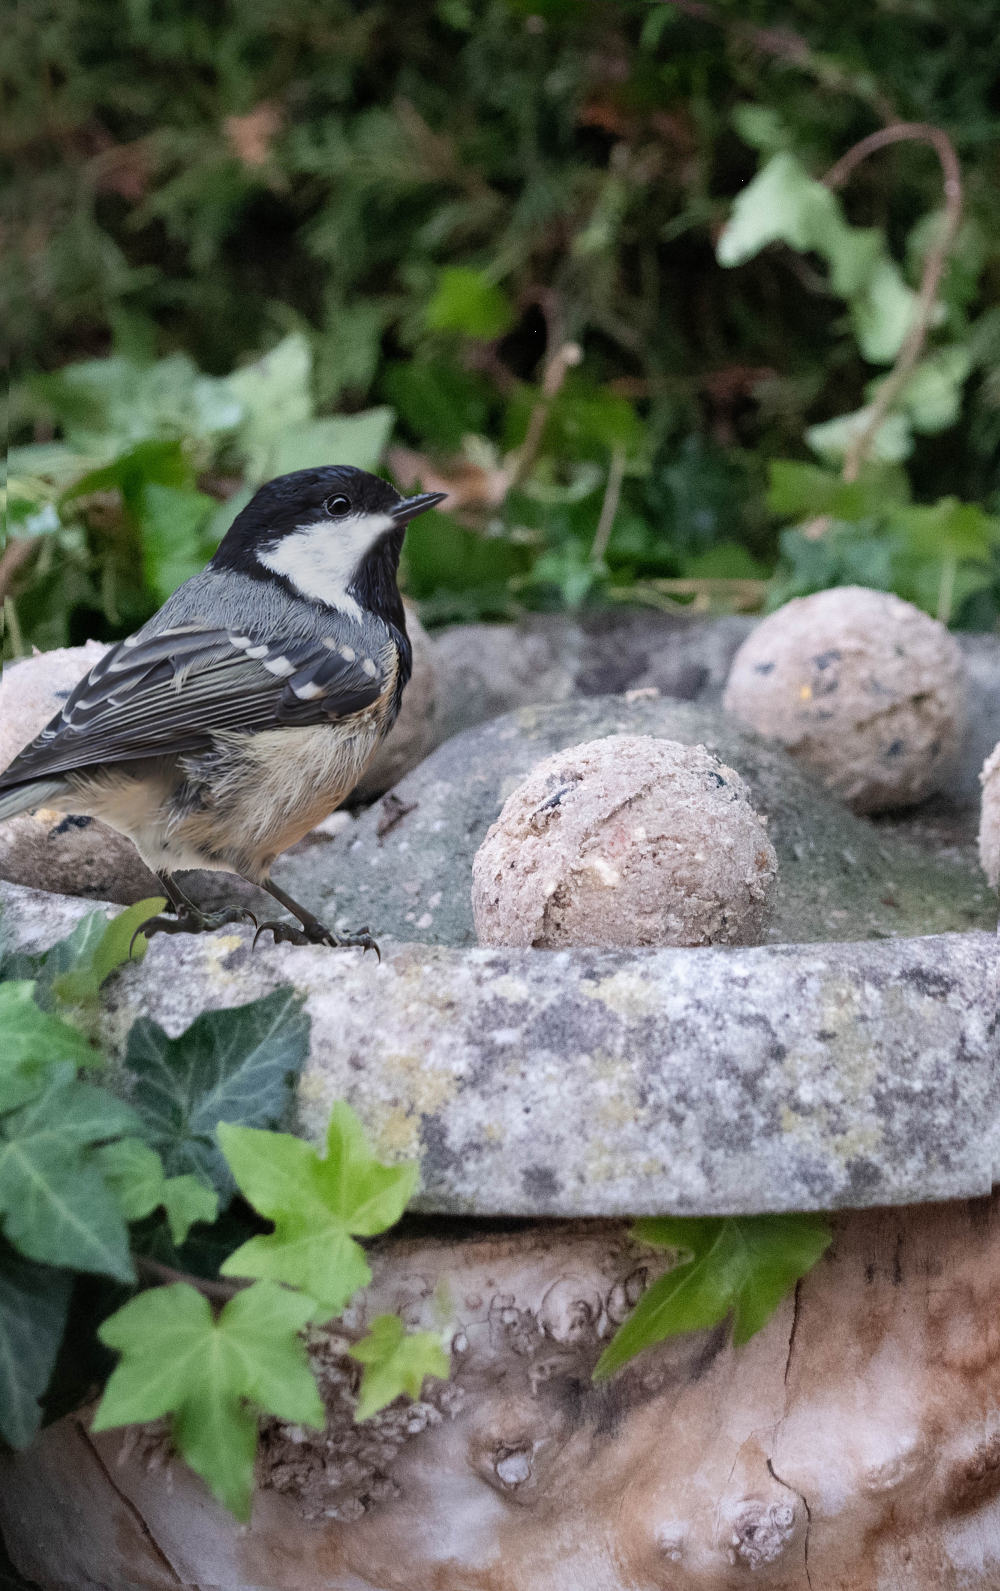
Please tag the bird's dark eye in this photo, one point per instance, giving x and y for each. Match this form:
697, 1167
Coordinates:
338, 505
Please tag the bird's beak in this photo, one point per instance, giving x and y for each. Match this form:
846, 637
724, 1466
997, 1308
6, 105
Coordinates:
410, 507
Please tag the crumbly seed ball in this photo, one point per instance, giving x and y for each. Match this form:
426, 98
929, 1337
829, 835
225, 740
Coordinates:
862, 687
989, 822
621, 842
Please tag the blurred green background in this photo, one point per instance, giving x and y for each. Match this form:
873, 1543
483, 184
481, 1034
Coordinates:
568, 256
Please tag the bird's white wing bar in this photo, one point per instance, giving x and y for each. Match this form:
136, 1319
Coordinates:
172, 691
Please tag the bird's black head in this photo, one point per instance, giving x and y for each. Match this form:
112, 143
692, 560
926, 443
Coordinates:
331, 535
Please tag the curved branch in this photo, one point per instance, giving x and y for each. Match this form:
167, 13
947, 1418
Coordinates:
216, 1292
17, 552
934, 265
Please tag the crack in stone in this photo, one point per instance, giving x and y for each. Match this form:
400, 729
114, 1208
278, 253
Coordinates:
795, 1326
801, 1495
796, 1310
130, 1506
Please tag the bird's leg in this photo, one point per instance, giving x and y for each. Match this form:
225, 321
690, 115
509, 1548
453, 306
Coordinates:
312, 932
187, 918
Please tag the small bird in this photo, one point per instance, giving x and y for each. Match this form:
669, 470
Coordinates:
248, 708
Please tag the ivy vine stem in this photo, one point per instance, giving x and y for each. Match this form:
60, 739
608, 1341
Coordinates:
934, 265
215, 1292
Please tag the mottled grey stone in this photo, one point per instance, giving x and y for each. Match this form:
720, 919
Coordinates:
488, 669
405, 869
604, 1083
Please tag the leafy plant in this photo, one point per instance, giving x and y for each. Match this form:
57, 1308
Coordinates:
212, 1376
733, 1265
79, 1167
395, 1362
228, 1066
315, 1204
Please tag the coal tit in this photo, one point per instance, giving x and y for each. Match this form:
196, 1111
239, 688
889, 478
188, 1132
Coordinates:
248, 708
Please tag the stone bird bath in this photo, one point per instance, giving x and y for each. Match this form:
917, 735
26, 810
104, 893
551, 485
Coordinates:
850, 1065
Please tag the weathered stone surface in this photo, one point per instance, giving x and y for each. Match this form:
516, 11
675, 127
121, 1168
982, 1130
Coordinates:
852, 1444
480, 671
601, 1082
488, 669
406, 867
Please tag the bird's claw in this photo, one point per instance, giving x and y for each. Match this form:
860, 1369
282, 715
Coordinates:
316, 934
192, 922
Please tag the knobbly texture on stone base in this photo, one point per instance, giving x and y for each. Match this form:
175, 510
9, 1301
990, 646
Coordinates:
612, 1082
852, 1444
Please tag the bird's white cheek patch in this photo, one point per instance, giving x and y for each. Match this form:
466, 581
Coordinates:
320, 559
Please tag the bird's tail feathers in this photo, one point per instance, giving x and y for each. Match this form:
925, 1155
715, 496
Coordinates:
25, 797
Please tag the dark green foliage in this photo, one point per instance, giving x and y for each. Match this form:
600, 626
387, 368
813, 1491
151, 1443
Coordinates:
34, 1300
432, 198
229, 1066
741, 1266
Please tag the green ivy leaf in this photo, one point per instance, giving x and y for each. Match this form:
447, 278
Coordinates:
947, 529
315, 1204
173, 521
806, 490
122, 400
148, 463
781, 204
467, 301
883, 314
211, 1376
55, 1202
135, 1172
395, 1363
439, 402
34, 1042
235, 1065
847, 555
79, 965
932, 398
739, 1265
274, 396
358, 439
34, 1301
891, 443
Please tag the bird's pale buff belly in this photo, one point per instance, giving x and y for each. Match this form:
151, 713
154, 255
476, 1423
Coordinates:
262, 794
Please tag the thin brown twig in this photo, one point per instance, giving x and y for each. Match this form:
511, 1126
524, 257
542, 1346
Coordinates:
216, 1292
17, 552
609, 507
934, 265
555, 374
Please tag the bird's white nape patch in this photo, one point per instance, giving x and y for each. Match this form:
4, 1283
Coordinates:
321, 559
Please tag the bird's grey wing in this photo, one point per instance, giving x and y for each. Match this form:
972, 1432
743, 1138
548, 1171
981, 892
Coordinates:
170, 692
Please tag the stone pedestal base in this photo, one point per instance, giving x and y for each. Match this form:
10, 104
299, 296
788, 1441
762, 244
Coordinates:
853, 1445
